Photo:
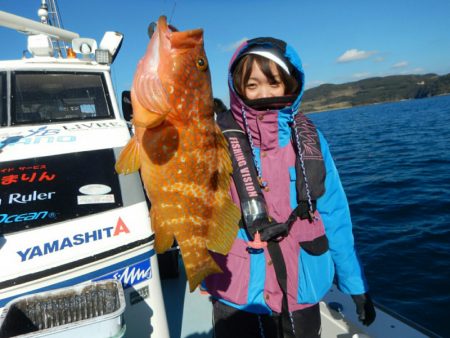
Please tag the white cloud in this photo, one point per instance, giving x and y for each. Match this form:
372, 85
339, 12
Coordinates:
361, 75
400, 64
231, 47
354, 54
379, 59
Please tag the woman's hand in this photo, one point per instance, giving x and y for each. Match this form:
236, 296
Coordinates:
364, 308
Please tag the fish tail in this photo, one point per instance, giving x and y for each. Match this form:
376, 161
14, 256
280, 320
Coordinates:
198, 264
129, 159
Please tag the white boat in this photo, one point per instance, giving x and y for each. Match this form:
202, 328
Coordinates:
66, 217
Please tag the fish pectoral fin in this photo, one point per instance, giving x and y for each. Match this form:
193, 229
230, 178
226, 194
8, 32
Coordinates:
145, 118
224, 226
129, 159
150, 102
151, 120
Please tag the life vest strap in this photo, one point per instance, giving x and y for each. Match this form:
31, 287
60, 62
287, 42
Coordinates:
254, 210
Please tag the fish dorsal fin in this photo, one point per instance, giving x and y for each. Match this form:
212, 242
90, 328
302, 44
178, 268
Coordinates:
223, 230
226, 214
129, 159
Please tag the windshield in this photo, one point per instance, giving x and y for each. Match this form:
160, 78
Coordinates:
2, 99
56, 97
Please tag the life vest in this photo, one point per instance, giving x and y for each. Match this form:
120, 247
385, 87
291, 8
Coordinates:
310, 174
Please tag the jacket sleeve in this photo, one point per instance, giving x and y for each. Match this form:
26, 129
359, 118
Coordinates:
334, 210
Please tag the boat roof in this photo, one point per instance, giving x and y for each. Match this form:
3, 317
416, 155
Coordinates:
39, 63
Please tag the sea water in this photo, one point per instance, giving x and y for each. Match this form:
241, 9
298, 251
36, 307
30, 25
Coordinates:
394, 163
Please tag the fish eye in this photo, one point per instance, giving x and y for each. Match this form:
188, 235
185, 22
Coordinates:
201, 63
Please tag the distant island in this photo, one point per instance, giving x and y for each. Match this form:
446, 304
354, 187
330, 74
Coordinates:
374, 90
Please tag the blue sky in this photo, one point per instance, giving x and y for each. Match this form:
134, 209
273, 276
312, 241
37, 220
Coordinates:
338, 41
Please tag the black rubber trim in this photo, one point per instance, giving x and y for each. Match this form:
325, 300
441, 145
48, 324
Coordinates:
41, 274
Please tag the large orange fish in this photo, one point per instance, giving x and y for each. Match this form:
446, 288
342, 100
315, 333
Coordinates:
181, 152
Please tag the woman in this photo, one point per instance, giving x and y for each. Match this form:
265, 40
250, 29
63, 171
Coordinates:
295, 236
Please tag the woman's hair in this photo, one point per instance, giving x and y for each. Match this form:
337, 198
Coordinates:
243, 69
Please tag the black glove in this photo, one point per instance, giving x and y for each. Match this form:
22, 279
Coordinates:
364, 308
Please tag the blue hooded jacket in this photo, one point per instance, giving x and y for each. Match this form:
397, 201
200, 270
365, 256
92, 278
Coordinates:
249, 281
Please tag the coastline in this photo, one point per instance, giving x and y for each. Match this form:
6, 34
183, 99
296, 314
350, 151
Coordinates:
331, 108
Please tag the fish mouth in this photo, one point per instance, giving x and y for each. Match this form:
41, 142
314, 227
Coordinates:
179, 39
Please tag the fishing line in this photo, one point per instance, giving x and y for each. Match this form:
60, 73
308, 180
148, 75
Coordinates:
59, 16
173, 11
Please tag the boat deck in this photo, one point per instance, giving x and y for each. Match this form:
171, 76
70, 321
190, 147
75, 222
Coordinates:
189, 315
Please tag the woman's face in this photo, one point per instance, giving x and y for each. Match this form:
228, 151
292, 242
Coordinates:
258, 86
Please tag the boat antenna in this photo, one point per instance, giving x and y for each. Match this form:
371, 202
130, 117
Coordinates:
49, 14
43, 12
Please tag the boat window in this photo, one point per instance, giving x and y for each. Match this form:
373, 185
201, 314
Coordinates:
56, 97
2, 98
